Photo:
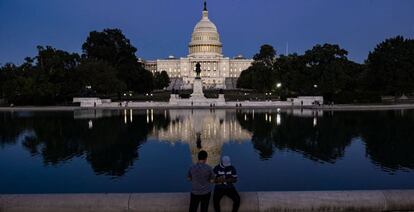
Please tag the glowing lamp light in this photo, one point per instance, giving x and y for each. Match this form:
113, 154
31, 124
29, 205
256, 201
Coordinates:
279, 85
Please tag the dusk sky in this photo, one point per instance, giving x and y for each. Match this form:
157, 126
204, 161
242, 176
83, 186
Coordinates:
159, 28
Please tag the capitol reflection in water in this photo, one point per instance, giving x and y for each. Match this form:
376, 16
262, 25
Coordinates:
277, 144
317, 135
203, 130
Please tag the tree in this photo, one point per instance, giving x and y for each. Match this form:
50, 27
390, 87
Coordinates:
323, 70
327, 65
294, 76
391, 67
100, 76
8, 78
245, 79
138, 80
53, 74
17, 86
266, 55
114, 48
44, 79
161, 80
2, 81
111, 46
261, 76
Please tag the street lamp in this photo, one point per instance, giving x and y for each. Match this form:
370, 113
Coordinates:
279, 85
88, 89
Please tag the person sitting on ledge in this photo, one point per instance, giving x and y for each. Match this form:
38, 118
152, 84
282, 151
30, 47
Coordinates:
201, 176
226, 175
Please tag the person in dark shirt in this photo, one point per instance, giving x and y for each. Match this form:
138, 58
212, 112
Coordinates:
226, 176
201, 176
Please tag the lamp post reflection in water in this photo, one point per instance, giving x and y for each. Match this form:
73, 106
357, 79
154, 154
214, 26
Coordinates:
125, 117
278, 120
130, 115
152, 115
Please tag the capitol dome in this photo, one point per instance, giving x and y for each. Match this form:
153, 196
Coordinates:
205, 40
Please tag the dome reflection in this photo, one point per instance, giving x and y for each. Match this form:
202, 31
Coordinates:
203, 130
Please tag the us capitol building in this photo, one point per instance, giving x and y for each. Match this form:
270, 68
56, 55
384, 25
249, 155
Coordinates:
205, 48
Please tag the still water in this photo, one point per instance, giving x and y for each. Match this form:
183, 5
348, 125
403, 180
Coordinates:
87, 151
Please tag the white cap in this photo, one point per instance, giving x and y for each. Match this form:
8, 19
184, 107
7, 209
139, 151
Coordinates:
225, 160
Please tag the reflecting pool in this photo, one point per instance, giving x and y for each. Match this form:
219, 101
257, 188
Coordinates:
88, 151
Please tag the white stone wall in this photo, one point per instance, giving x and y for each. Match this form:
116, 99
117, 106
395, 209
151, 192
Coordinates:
214, 70
88, 102
151, 65
306, 100
238, 65
171, 66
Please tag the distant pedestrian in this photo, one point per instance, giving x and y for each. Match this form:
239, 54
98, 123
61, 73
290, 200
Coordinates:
201, 176
226, 176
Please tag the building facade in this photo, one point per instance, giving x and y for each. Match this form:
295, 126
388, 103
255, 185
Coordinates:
205, 48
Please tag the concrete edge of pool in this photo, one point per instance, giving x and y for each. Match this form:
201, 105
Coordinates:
339, 107
381, 200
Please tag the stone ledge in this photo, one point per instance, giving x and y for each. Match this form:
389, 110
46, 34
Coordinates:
388, 200
322, 201
65, 202
399, 200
